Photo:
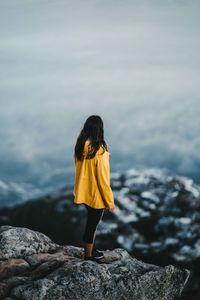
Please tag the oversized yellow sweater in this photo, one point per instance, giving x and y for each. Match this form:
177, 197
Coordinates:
92, 179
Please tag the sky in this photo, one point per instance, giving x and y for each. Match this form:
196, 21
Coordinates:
134, 63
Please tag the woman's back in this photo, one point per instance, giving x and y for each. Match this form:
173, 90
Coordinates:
92, 179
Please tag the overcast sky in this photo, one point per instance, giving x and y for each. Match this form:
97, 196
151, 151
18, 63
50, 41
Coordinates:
135, 63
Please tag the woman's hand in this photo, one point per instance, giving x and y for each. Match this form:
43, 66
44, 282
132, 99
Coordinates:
111, 209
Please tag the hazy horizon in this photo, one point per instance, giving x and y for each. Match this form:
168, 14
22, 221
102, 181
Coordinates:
134, 63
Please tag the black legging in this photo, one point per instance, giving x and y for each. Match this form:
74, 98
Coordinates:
94, 216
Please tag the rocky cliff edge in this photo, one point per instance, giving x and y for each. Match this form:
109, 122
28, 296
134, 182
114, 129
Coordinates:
32, 266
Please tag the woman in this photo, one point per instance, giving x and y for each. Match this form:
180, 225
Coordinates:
92, 180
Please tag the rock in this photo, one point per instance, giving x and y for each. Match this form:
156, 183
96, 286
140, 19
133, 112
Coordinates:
12, 267
45, 270
20, 242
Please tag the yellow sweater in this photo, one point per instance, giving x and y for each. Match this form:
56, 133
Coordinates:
92, 179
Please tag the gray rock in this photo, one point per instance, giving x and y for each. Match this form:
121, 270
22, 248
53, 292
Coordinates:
47, 271
20, 242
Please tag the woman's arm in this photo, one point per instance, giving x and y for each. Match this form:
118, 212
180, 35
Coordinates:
103, 179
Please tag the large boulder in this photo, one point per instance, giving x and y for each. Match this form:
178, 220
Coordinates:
21, 242
33, 267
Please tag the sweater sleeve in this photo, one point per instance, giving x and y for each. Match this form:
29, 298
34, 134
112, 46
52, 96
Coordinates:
103, 179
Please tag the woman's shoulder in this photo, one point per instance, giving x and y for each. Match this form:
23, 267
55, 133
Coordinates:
87, 145
101, 151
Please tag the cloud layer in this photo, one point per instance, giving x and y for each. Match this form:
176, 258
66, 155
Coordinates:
135, 63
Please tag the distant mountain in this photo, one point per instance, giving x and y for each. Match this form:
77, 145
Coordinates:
13, 193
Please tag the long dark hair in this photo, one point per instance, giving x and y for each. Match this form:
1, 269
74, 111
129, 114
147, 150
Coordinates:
93, 130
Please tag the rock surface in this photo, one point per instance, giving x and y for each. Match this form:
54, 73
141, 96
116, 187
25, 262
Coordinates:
34, 267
